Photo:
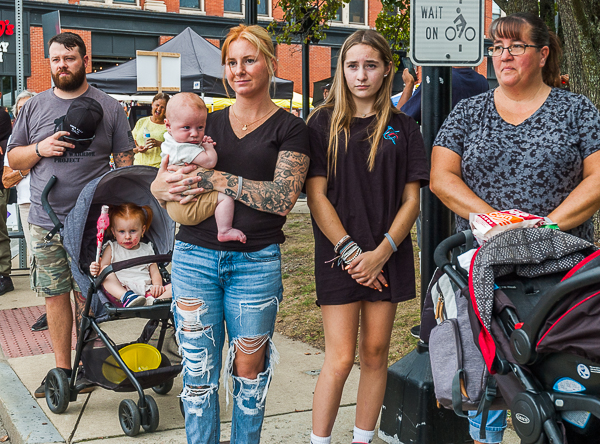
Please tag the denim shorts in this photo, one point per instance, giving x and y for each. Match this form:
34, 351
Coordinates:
224, 292
494, 430
50, 265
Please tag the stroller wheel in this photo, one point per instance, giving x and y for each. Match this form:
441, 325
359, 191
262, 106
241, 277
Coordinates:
150, 422
57, 390
129, 417
163, 388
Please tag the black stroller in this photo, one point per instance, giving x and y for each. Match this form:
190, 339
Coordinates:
102, 364
535, 314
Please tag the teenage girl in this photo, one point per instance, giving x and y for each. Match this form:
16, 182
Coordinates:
367, 167
135, 285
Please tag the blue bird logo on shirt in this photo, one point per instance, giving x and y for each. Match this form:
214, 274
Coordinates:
391, 134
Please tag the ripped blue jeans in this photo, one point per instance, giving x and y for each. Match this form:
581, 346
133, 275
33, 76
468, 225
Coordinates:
237, 291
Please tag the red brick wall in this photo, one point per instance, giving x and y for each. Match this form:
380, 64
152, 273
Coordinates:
374, 7
482, 69
172, 5
277, 12
290, 64
164, 39
214, 7
40, 67
215, 42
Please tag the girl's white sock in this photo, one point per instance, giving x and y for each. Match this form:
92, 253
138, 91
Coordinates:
314, 439
363, 436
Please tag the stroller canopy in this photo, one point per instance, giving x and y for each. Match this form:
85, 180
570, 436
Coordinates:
528, 252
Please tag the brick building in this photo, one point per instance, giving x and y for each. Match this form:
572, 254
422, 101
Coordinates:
114, 29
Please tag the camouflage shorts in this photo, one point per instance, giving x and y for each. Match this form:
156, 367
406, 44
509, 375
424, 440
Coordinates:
50, 272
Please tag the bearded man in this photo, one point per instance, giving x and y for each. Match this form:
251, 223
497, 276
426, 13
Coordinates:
68, 131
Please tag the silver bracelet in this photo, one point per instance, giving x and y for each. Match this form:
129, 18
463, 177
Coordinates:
240, 185
37, 151
391, 241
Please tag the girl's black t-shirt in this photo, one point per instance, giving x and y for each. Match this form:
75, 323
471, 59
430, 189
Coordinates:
367, 203
253, 157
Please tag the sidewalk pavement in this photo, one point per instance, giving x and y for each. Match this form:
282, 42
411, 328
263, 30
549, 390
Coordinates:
26, 357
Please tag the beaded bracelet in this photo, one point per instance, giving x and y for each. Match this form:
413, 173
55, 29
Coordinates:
339, 244
342, 245
348, 252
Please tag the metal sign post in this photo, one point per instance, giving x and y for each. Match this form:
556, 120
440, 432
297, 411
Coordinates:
444, 33
20, 47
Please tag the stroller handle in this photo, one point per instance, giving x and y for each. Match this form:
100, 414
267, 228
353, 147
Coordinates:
441, 257
46, 205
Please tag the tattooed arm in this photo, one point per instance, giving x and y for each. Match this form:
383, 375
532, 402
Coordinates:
123, 159
277, 196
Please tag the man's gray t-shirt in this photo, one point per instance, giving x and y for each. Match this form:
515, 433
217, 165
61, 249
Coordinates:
532, 166
73, 170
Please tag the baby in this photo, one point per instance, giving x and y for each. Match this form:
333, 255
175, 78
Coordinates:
185, 143
133, 286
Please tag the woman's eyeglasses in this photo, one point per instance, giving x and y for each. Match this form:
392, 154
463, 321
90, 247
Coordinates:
514, 50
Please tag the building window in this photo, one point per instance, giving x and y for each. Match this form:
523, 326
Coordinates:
352, 13
131, 2
496, 11
357, 11
233, 6
191, 4
263, 7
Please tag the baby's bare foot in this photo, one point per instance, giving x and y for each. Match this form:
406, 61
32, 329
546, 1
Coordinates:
231, 234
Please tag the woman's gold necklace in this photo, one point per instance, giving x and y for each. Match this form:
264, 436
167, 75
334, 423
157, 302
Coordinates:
246, 125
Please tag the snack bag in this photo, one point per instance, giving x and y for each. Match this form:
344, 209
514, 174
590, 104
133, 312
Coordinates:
486, 225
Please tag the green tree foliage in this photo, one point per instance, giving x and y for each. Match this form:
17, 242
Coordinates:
305, 20
393, 22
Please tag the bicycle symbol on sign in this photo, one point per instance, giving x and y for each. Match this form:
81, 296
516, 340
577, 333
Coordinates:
460, 28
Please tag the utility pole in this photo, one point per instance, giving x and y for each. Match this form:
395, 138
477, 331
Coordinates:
305, 79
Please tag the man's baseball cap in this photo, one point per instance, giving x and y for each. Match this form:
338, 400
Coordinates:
324, 87
82, 118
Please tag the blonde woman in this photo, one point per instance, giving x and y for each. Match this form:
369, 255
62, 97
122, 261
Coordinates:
149, 133
231, 287
367, 167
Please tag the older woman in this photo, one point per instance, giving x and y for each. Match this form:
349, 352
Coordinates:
148, 133
230, 285
20, 178
526, 144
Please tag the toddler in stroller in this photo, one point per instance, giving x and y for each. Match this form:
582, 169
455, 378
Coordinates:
120, 367
533, 306
134, 286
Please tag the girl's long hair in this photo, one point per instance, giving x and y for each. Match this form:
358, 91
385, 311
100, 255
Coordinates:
342, 106
131, 211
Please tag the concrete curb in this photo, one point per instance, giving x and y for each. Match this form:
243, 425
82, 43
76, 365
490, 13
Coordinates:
23, 418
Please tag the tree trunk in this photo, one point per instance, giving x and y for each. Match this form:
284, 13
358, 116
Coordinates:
512, 6
581, 27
